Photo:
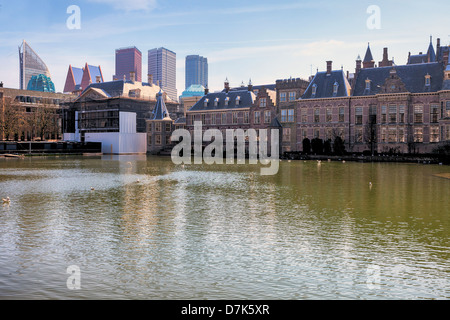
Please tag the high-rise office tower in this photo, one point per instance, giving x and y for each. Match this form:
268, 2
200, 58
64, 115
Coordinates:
30, 65
162, 65
196, 71
128, 60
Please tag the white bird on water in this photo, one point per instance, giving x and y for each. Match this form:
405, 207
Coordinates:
6, 201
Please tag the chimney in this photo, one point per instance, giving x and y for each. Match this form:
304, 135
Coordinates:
250, 85
150, 79
329, 67
358, 65
132, 76
227, 86
98, 79
206, 90
1, 84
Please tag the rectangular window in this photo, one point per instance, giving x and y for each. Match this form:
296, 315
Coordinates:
447, 133
283, 97
168, 127
401, 135
304, 115
383, 134
235, 117
418, 114
317, 115
358, 115
401, 114
168, 142
203, 118
418, 134
223, 118
329, 115
262, 103
392, 137
158, 127
292, 96
341, 114
359, 135
246, 117
434, 134
158, 140
392, 114
383, 114
284, 115
291, 116
287, 134
434, 113
447, 110
213, 118
267, 116
257, 117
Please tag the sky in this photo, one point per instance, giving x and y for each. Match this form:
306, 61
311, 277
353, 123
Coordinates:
259, 40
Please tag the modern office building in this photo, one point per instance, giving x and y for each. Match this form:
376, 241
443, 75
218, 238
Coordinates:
196, 71
128, 60
30, 65
162, 65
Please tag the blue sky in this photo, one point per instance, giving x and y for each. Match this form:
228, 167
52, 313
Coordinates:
262, 40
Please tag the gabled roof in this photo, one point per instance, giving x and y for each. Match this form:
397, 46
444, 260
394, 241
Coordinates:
412, 76
325, 85
246, 99
418, 58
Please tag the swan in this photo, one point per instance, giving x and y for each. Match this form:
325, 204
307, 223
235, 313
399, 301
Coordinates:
6, 201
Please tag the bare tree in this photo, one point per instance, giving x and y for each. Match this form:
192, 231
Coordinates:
370, 134
42, 121
10, 120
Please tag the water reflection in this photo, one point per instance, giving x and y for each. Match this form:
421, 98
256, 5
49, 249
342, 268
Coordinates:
154, 230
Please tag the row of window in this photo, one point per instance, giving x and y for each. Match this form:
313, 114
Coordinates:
157, 126
288, 95
389, 114
222, 118
387, 135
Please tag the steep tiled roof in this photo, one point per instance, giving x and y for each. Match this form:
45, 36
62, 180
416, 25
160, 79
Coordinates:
218, 101
325, 85
368, 57
160, 112
413, 77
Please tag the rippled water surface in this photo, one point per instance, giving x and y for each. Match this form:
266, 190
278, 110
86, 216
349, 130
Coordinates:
154, 230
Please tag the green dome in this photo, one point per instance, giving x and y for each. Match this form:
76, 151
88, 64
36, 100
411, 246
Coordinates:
195, 90
41, 83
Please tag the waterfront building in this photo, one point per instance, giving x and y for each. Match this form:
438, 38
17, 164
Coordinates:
237, 108
159, 128
196, 71
30, 65
392, 108
128, 60
162, 65
287, 93
115, 114
79, 79
32, 115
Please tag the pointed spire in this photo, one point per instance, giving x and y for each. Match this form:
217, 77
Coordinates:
431, 53
160, 112
368, 57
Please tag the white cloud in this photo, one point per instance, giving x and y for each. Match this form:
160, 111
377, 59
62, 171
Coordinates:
130, 5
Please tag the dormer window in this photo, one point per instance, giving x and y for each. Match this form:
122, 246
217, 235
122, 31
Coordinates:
216, 102
227, 100
314, 90
206, 102
238, 100
427, 80
368, 82
335, 88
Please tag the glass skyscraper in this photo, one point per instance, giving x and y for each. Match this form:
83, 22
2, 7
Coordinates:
30, 65
162, 65
127, 60
196, 71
